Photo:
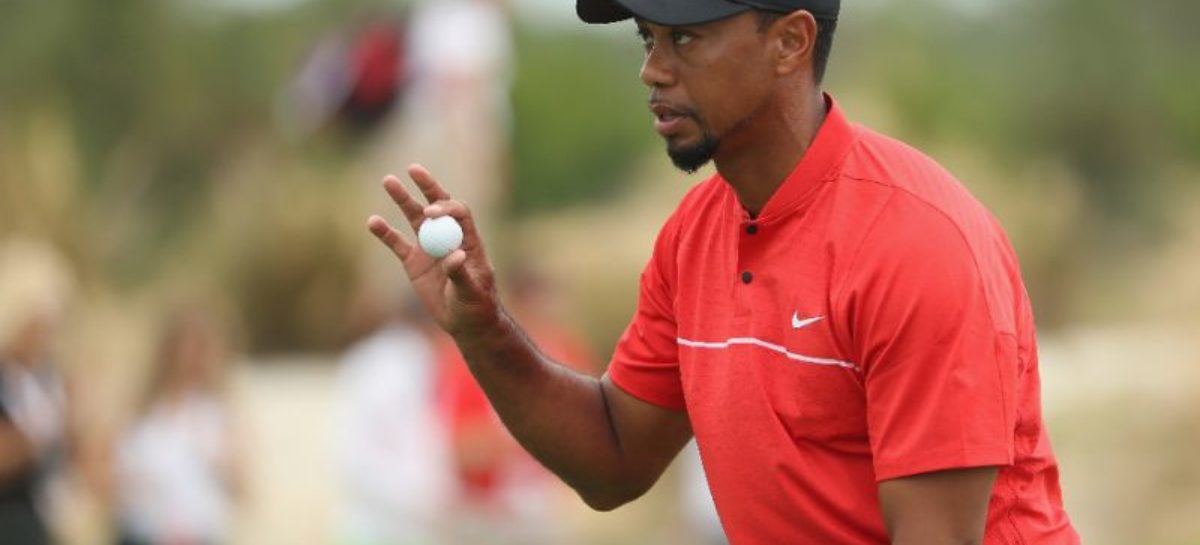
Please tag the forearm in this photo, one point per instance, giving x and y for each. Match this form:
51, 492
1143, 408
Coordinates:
945, 539
559, 415
603, 442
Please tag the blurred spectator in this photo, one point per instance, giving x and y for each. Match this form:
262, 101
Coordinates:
178, 464
504, 496
352, 78
379, 64
537, 303
391, 450
34, 290
463, 46
457, 112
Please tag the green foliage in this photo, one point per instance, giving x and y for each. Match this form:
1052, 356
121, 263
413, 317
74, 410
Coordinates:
579, 117
1099, 85
163, 102
160, 102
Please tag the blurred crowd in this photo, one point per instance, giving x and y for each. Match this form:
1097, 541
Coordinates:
34, 417
420, 457
168, 473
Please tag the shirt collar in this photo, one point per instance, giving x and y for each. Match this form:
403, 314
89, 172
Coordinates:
821, 162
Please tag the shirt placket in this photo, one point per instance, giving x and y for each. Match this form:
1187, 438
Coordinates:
746, 282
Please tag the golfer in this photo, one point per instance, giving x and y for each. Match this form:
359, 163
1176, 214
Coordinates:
841, 326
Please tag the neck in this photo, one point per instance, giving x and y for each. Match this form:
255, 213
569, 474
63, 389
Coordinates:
757, 159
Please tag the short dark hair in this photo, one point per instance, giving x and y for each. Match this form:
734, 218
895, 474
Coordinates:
826, 26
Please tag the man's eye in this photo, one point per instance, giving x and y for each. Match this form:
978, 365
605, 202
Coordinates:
681, 38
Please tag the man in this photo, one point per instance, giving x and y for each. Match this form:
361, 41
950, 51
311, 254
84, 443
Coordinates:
393, 455
36, 428
842, 327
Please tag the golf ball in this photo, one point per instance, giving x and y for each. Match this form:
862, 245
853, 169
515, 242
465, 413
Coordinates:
439, 236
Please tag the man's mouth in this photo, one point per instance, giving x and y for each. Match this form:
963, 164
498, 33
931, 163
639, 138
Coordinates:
668, 119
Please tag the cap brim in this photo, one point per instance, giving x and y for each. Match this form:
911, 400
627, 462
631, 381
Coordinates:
663, 12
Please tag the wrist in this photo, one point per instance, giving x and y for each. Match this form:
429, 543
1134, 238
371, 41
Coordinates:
490, 332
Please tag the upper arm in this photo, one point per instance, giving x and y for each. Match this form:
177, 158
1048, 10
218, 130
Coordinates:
649, 436
940, 363
940, 369
944, 507
642, 390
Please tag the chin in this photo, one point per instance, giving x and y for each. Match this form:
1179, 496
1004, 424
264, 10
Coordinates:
690, 153
689, 159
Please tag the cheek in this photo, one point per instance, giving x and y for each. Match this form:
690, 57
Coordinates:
728, 97
726, 85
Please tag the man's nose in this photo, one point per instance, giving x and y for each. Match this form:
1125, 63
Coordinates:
655, 70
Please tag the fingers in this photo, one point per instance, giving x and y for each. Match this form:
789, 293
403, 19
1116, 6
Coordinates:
390, 237
429, 187
412, 209
416, 213
461, 214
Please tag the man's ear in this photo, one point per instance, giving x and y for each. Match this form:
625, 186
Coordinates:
794, 37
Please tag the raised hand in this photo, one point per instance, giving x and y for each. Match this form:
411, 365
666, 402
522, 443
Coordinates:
459, 290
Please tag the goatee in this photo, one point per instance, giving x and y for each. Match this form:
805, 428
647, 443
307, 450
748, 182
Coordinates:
690, 158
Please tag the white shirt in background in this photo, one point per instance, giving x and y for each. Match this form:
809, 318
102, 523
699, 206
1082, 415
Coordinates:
172, 469
392, 450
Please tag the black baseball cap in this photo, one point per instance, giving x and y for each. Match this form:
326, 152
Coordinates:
694, 12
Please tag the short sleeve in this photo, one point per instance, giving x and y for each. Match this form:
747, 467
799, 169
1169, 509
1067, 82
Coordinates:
646, 360
938, 373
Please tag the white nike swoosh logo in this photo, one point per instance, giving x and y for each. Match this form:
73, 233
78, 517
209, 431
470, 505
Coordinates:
797, 323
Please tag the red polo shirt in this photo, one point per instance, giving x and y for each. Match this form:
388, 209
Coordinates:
870, 323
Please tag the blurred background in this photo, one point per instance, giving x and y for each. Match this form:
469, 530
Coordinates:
200, 342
